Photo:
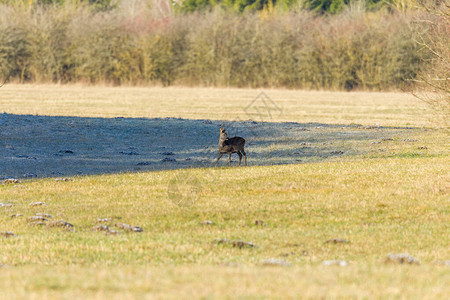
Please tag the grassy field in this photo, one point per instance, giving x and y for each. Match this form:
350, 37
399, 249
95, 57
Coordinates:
386, 109
270, 224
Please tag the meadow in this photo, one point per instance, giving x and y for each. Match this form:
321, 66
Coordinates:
269, 230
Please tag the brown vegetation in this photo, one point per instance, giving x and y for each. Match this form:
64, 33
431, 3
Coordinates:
352, 50
433, 83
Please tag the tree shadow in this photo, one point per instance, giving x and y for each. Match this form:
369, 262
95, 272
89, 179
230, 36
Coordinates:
54, 146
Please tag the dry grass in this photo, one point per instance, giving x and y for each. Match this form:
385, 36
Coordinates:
225, 282
386, 109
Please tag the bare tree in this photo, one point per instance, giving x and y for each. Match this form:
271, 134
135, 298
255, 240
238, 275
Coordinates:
433, 83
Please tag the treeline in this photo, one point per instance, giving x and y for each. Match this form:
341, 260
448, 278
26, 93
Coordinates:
188, 6
319, 6
355, 49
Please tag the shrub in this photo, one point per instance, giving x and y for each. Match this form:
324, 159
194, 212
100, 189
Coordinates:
71, 43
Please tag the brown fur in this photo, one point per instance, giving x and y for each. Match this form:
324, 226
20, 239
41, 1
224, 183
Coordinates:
231, 145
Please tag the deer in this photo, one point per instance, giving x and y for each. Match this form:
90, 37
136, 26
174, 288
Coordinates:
231, 145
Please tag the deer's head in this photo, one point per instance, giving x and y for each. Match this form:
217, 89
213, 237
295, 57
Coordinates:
223, 132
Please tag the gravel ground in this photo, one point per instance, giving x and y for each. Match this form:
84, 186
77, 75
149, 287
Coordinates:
48, 146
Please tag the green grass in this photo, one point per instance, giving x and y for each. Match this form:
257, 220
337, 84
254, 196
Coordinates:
363, 201
394, 199
381, 206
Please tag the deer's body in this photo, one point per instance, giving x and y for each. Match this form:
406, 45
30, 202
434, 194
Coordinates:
231, 145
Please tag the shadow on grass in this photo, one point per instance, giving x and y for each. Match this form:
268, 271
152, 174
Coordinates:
52, 146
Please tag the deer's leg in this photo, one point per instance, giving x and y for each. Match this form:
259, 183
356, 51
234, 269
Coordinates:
245, 157
229, 159
217, 161
240, 157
